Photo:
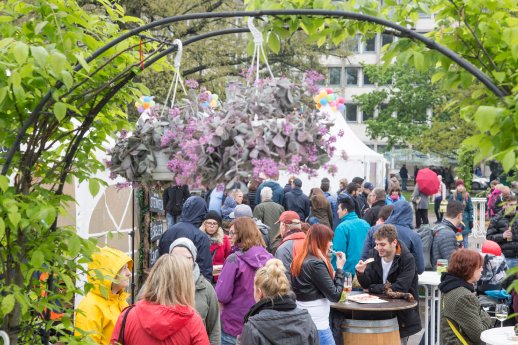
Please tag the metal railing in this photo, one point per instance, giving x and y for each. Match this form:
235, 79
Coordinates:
479, 217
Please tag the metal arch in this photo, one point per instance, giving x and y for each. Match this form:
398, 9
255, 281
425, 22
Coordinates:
481, 76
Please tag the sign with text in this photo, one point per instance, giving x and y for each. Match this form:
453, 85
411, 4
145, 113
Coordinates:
153, 255
156, 203
156, 229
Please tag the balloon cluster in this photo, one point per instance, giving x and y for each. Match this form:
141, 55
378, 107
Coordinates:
144, 103
327, 97
212, 100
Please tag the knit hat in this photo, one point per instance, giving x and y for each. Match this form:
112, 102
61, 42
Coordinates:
214, 216
189, 245
491, 247
242, 210
459, 182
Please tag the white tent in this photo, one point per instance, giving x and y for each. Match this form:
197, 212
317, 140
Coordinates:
361, 160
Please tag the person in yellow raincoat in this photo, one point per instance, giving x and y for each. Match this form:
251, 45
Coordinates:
97, 313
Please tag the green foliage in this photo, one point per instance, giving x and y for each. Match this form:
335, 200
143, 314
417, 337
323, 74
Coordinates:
483, 33
42, 41
465, 168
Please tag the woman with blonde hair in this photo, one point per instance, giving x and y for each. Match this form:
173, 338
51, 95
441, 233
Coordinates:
320, 207
275, 315
235, 287
315, 283
164, 313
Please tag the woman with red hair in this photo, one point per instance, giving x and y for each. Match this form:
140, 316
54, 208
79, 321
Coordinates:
314, 281
462, 319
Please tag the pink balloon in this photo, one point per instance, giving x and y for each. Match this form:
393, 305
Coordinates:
341, 100
329, 91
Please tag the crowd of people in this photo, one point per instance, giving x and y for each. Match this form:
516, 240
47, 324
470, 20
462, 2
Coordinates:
263, 267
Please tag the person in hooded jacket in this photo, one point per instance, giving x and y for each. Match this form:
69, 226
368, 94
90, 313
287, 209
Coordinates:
193, 214
205, 299
275, 317
401, 218
235, 287
460, 308
164, 313
97, 313
394, 264
504, 231
278, 191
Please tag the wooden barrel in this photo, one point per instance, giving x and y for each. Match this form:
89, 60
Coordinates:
371, 332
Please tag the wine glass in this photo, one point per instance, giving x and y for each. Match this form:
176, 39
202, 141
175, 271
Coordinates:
501, 312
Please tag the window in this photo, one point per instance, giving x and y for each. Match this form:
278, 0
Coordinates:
335, 76
351, 112
366, 115
352, 45
386, 39
366, 79
351, 76
370, 45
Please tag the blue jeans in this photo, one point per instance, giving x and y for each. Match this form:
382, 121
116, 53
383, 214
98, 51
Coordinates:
227, 339
465, 241
326, 337
512, 262
171, 220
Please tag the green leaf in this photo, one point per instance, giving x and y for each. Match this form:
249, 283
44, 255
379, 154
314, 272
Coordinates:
21, 52
7, 304
14, 216
485, 117
74, 245
40, 55
60, 110
419, 61
2, 228
274, 43
57, 62
3, 93
509, 160
437, 76
82, 61
499, 76
94, 186
67, 79
37, 259
40, 27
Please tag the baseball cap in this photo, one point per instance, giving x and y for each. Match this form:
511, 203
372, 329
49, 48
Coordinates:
368, 185
289, 217
241, 210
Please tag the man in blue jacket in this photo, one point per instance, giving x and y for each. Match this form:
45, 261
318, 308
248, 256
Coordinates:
193, 213
297, 201
350, 233
401, 218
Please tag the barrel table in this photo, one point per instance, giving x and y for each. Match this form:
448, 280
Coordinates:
372, 324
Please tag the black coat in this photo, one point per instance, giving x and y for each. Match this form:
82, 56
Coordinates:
497, 226
174, 198
193, 213
298, 202
371, 214
403, 277
314, 281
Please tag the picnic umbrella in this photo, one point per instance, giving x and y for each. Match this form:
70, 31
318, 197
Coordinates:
427, 181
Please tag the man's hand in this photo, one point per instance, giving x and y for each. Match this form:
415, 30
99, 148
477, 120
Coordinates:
361, 266
508, 235
340, 260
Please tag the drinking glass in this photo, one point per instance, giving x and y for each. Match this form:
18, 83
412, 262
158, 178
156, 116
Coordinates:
501, 312
348, 284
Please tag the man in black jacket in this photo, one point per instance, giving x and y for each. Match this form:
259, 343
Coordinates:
504, 231
174, 198
392, 263
193, 214
445, 233
297, 201
371, 214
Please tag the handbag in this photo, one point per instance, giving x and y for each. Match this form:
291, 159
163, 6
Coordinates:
120, 339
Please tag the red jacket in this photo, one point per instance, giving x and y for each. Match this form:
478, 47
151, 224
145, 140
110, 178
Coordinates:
155, 324
222, 251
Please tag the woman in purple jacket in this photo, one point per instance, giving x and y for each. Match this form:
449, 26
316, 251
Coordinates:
235, 287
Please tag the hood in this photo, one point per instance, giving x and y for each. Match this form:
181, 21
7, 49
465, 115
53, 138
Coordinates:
162, 321
189, 245
402, 214
296, 191
254, 257
108, 262
194, 210
272, 184
451, 282
274, 325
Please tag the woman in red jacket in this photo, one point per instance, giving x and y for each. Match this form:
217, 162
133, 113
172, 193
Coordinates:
219, 242
164, 314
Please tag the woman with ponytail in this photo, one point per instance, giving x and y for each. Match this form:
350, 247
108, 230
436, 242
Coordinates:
315, 283
275, 317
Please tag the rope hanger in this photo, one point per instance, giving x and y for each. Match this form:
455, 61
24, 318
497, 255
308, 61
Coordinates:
176, 78
258, 49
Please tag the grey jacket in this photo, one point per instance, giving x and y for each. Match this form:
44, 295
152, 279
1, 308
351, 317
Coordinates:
270, 327
419, 199
444, 243
206, 304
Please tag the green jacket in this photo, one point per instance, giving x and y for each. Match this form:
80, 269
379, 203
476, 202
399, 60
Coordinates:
462, 308
269, 212
206, 304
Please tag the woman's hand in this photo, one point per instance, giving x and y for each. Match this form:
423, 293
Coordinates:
340, 260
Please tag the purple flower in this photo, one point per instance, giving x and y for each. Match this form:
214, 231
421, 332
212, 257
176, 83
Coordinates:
123, 134
167, 138
113, 175
210, 149
174, 112
341, 133
108, 163
323, 130
287, 128
203, 97
122, 185
192, 84
265, 166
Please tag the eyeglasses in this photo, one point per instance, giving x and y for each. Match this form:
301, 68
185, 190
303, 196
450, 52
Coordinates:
211, 223
231, 233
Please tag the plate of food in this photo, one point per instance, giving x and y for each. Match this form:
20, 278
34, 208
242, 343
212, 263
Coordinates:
365, 298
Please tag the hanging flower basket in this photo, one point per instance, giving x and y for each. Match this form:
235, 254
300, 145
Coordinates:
256, 131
